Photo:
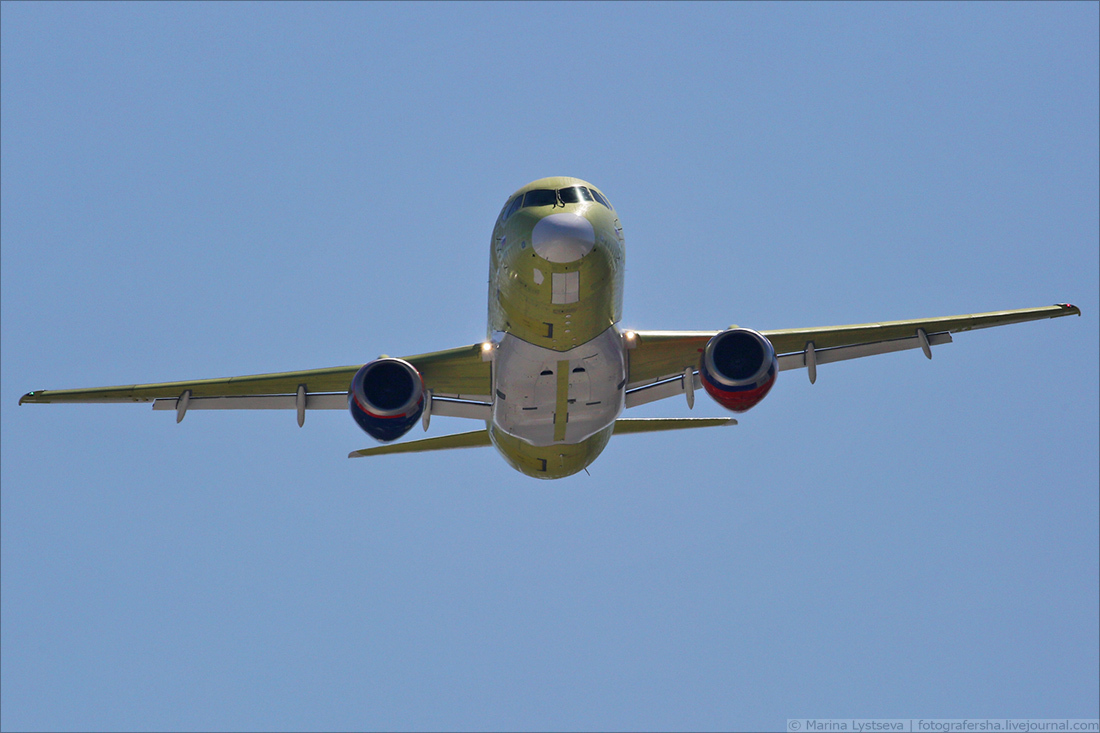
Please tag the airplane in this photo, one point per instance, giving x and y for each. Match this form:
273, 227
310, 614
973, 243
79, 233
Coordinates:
556, 371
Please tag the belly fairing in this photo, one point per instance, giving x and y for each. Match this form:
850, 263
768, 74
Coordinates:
545, 397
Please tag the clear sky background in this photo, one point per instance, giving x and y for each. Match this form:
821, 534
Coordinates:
205, 190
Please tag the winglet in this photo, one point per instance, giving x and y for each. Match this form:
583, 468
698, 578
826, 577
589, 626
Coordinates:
1070, 308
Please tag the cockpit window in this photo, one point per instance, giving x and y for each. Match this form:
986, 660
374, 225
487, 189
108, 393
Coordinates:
540, 197
574, 195
599, 197
514, 206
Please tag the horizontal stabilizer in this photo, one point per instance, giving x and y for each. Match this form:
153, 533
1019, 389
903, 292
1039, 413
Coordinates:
479, 438
472, 439
627, 425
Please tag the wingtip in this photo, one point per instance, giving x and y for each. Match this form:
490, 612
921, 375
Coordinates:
1070, 308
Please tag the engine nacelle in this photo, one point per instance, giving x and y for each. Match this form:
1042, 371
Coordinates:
738, 368
386, 398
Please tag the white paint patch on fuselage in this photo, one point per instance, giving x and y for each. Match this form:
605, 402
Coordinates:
527, 402
563, 237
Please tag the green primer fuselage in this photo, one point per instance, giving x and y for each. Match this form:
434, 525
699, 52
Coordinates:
557, 306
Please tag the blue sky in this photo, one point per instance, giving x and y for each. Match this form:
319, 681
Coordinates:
202, 190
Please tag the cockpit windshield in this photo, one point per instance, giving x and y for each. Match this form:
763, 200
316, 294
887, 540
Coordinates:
540, 197
551, 197
574, 195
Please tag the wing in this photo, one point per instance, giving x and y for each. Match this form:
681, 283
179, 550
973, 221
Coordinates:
660, 360
457, 373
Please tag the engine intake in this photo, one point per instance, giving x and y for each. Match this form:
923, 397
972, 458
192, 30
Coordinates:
386, 398
738, 368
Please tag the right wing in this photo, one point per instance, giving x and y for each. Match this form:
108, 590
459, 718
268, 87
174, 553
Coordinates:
456, 373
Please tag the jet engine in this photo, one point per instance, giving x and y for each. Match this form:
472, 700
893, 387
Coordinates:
386, 398
738, 368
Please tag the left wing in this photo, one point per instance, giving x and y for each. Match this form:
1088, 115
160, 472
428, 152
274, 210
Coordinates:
456, 373
659, 361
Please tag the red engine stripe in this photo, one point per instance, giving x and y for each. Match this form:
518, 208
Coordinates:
739, 401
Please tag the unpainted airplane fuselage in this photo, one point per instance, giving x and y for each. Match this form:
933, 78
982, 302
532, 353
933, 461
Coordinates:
555, 297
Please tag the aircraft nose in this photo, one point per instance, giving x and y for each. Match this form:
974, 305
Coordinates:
563, 237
